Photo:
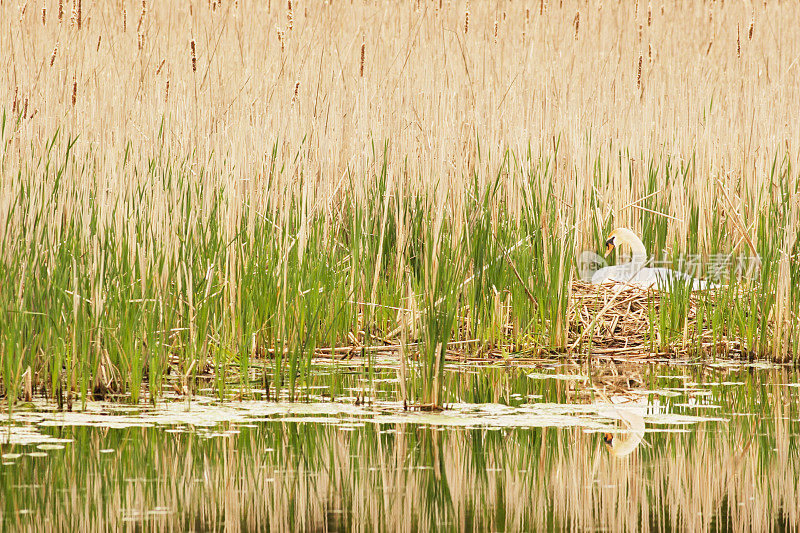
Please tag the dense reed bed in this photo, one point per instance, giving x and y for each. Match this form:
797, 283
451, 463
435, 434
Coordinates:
188, 187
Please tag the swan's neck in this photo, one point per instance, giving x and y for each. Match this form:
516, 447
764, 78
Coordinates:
638, 251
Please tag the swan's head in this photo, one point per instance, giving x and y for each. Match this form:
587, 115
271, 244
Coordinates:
623, 236
612, 241
609, 245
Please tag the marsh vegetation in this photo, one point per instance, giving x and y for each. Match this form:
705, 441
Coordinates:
219, 188
300, 265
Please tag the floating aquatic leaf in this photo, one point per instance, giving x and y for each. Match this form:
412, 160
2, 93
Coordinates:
50, 447
562, 377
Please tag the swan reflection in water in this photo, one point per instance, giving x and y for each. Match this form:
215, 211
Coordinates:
631, 416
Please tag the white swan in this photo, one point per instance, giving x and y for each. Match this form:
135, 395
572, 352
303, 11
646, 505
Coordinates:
635, 272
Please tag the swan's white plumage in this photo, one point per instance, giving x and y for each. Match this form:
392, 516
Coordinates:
636, 274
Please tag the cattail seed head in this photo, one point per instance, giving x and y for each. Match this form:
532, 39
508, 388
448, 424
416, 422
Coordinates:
495, 32
80, 14
124, 20
541, 7
15, 102
466, 20
44, 15
649, 14
296, 92
281, 38
290, 15
639, 73
60, 10
166, 91
527, 15
738, 43
53, 56
361, 68
160, 66
142, 15
99, 38
194, 57
577, 22
750, 31
74, 91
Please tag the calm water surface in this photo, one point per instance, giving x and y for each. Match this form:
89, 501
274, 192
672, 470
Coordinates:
658, 448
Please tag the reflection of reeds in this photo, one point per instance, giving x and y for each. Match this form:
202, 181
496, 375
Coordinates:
289, 476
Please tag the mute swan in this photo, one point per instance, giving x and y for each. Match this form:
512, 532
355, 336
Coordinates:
635, 272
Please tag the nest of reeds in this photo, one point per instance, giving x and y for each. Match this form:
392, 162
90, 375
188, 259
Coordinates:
630, 321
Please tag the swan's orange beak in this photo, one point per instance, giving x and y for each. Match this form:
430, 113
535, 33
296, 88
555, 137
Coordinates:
609, 246
608, 439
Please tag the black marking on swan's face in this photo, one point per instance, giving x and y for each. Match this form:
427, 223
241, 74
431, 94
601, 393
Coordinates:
608, 438
610, 244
